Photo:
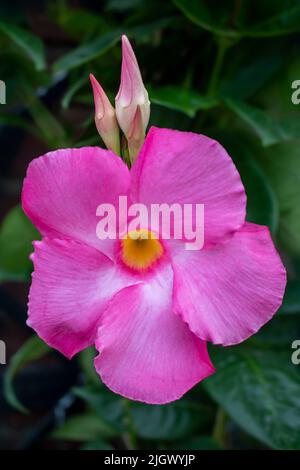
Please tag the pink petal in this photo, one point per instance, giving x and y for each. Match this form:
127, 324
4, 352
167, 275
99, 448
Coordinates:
63, 189
183, 167
228, 291
147, 353
71, 286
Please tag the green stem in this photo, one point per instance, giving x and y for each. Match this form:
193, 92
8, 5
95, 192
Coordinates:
215, 75
125, 151
218, 433
130, 437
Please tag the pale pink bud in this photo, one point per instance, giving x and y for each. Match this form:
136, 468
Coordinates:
132, 92
105, 117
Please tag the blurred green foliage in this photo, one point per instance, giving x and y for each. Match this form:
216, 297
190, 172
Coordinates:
224, 69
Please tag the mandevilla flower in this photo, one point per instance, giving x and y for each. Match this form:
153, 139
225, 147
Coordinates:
149, 305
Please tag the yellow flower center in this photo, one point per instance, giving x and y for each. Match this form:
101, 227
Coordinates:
140, 249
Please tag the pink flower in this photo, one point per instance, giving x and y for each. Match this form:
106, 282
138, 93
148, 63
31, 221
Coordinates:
149, 308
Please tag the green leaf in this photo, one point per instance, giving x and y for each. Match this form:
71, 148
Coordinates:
291, 301
50, 130
180, 99
16, 236
253, 73
279, 21
260, 390
269, 130
97, 47
116, 5
72, 91
198, 12
108, 406
77, 21
284, 22
87, 52
277, 96
144, 32
169, 422
262, 204
262, 207
196, 443
84, 427
86, 361
33, 349
99, 444
280, 332
165, 117
12, 120
30, 44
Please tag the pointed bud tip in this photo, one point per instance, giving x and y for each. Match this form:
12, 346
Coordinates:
127, 50
125, 40
95, 84
102, 103
93, 80
99, 94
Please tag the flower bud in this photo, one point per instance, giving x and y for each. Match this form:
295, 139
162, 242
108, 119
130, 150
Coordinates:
132, 93
136, 135
105, 118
